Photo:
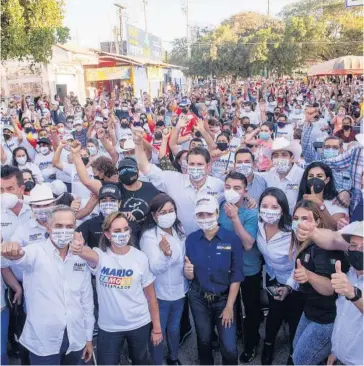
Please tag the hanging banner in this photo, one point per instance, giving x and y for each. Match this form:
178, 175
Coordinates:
350, 3
108, 73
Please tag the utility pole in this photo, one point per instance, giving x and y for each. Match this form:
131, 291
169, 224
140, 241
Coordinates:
121, 9
185, 10
145, 3
268, 8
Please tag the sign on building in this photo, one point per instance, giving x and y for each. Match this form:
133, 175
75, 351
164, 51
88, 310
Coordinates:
350, 3
108, 73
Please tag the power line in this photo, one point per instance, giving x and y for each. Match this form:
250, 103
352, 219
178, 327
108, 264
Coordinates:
280, 42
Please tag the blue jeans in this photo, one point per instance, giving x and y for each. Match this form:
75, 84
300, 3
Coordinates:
73, 358
4, 335
109, 345
206, 315
170, 313
312, 343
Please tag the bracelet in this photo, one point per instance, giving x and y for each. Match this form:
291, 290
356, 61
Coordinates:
156, 332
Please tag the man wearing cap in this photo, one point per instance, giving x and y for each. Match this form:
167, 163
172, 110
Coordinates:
285, 174
185, 111
79, 133
44, 159
214, 264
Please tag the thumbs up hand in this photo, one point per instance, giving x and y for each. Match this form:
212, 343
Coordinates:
300, 273
306, 228
165, 247
340, 282
77, 243
188, 269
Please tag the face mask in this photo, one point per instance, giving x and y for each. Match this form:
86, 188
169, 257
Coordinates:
207, 224
92, 150
61, 130
222, 146
231, 196
281, 124
297, 111
69, 125
270, 216
107, 208
184, 110
120, 239
196, 174
282, 165
158, 135
317, 184
355, 259
44, 150
124, 109
295, 225
29, 185
22, 160
208, 102
184, 165
330, 153
341, 113
346, 127
124, 125
8, 200
27, 130
78, 128
85, 160
264, 135
247, 109
6, 136
128, 176
244, 168
166, 221
41, 214
62, 237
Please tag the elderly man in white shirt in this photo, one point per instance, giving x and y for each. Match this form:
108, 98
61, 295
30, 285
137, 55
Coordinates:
58, 293
285, 174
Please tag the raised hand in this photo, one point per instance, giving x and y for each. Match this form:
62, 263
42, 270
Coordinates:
77, 243
189, 267
340, 282
76, 147
306, 228
300, 273
165, 247
12, 251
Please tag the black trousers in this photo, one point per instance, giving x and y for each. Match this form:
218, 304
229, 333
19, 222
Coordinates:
185, 320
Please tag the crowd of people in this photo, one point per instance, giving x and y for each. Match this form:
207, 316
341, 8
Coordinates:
122, 217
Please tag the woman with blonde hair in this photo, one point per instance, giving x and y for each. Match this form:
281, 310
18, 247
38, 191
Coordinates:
126, 296
314, 266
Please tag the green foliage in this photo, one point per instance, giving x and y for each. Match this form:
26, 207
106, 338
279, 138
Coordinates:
29, 28
249, 43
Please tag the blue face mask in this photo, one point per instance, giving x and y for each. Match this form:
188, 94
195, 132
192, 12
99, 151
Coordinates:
330, 153
295, 225
264, 135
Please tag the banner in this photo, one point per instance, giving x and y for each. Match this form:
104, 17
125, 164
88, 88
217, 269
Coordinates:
155, 73
143, 44
350, 3
108, 73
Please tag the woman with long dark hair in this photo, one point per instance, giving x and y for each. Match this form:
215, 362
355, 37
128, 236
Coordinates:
22, 161
273, 240
163, 241
318, 186
125, 290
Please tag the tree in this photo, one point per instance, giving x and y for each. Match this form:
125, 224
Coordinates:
29, 28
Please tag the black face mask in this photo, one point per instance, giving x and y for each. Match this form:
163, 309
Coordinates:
128, 176
222, 146
85, 160
6, 136
29, 185
198, 134
346, 127
281, 124
96, 177
355, 259
158, 135
317, 183
124, 125
160, 124
249, 146
184, 110
246, 126
27, 129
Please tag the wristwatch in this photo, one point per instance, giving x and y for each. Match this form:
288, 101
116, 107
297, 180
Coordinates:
322, 207
357, 296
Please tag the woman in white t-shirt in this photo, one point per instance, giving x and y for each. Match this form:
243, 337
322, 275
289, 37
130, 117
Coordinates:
125, 291
318, 186
22, 161
44, 159
163, 241
222, 157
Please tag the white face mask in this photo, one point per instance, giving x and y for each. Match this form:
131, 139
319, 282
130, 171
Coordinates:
244, 168
8, 200
120, 239
207, 224
166, 221
92, 150
62, 237
44, 150
41, 214
231, 196
78, 128
297, 111
270, 216
247, 109
184, 166
282, 165
195, 173
107, 208
61, 130
22, 160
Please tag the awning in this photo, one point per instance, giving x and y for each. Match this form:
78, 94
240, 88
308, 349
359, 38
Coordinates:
339, 66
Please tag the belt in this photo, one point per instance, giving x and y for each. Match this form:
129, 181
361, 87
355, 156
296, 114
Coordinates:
210, 296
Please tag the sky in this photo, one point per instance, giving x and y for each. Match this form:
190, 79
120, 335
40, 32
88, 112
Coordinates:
91, 21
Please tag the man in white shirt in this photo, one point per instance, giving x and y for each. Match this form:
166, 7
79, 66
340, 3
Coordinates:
248, 112
58, 292
297, 117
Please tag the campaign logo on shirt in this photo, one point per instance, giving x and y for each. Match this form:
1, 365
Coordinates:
307, 258
36, 237
79, 267
116, 278
45, 164
224, 247
292, 186
6, 224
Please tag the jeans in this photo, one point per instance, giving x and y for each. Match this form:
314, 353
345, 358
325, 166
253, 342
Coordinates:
185, 325
109, 345
312, 343
250, 292
170, 313
73, 358
4, 335
206, 314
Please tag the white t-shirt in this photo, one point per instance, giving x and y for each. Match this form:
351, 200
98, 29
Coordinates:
44, 163
34, 169
61, 175
11, 144
297, 119
286, 132
317, 134
270, 106
223, 165
120, 283
334, 209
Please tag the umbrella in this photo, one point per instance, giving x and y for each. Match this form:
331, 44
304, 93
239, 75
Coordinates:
339, 66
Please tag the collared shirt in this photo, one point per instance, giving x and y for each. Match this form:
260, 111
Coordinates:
278, 263
170, 283
256, 187
58, 295
217, 263
252, 259
11, 222
179, 187
289, 184
347, 336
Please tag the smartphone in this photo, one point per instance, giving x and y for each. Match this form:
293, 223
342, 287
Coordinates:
272, 290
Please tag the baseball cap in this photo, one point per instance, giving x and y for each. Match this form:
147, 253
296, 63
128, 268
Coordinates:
110, 190
8, 127
68, 136
128, 163
44, 140
206, 203
184, 102
58, 187
355, 228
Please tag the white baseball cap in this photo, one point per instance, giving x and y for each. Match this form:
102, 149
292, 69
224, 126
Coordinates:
355, 228
206, 203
